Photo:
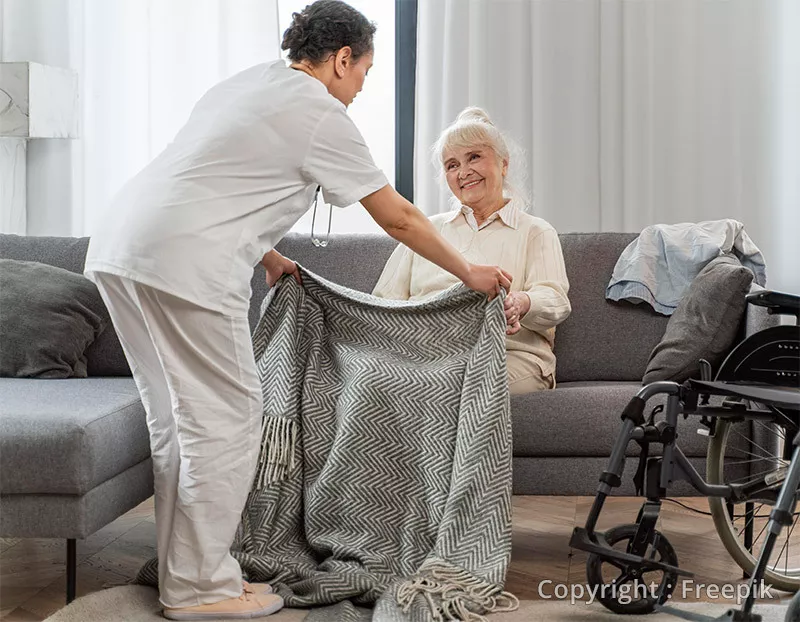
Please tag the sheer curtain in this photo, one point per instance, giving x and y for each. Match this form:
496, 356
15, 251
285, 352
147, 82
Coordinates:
142, 65
631, 113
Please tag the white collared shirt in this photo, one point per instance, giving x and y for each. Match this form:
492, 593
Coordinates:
523, 245
245, 167
509, 214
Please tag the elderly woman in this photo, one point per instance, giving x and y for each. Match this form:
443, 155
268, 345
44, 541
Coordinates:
491, 226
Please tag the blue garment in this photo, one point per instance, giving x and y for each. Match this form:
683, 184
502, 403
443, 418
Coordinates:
659, 266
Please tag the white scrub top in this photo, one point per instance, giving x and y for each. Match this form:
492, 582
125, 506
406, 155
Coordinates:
245, 167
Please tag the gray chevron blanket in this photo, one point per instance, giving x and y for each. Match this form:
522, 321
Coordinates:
384, 484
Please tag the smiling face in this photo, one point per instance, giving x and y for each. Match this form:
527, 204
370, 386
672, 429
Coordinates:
475, 175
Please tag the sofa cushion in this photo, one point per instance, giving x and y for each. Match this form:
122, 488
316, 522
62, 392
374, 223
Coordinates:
48, 317
583, 419
68, 436
601, 339
104, 357
705, 324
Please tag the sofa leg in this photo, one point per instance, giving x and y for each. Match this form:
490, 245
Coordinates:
72, 570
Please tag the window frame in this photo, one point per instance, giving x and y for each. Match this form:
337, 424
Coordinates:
405, 42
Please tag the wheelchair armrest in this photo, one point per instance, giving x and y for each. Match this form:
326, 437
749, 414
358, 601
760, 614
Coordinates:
776, 302
758, 317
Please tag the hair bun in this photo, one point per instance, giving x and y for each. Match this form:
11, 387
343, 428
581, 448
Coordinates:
473, 113
300, 20
323, 28
297, 33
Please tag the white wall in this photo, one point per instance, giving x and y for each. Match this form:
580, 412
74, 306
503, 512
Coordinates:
785, 239
142, 65
38, 31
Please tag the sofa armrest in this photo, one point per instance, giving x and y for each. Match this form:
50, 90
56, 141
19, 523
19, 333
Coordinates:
758, 318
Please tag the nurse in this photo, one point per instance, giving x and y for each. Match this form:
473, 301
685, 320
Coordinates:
173, 259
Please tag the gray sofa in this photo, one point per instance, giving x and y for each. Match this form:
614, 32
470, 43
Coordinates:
74, 454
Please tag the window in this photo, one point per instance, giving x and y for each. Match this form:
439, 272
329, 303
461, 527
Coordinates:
372, 111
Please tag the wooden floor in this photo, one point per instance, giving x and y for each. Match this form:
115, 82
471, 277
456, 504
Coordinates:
32, 575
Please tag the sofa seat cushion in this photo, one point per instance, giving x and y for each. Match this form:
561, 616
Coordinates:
583, 419
68, 436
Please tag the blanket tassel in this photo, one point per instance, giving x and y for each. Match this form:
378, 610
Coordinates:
277, 455
461, 595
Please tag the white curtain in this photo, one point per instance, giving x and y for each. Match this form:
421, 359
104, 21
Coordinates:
142, 65
630, 112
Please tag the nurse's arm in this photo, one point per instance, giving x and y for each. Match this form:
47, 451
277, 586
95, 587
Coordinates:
406, 224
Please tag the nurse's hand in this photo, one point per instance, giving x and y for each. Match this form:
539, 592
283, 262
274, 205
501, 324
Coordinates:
276, 265
487, 279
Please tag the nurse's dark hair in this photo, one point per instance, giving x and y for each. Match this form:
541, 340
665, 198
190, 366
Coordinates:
325, 27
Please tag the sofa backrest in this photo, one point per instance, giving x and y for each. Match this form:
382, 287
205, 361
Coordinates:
601, 340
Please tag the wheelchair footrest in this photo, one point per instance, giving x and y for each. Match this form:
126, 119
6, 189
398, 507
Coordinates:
597, 544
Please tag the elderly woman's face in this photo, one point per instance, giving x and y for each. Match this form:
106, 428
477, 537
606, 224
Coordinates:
475, 175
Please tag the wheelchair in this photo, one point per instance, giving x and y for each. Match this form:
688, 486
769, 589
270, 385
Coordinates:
750, 412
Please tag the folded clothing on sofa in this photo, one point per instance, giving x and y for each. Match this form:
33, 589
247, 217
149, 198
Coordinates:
659, 266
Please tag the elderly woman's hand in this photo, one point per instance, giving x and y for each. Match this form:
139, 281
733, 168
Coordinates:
516, 305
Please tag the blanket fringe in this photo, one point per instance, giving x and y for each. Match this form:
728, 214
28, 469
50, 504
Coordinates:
277, 455
461, 594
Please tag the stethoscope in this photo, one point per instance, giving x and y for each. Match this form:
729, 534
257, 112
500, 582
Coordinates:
314, 240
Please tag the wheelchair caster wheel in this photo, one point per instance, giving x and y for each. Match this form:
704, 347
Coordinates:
624, 588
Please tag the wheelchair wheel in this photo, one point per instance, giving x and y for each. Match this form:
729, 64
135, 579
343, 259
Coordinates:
744, 451
619, 587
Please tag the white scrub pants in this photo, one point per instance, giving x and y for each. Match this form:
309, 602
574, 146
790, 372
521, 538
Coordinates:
196, 374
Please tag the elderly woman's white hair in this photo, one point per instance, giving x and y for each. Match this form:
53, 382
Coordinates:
473, 127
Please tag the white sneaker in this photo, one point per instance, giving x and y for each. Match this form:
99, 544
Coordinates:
247, 606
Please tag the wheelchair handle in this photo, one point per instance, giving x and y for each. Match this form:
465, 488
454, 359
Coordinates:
777, 302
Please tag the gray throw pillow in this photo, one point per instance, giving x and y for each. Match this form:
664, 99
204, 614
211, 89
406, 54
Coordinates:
705, 323
48, 317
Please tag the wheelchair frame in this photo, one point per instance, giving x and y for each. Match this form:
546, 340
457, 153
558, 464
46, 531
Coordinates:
772, 386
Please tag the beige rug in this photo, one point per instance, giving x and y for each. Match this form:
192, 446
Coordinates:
134, 603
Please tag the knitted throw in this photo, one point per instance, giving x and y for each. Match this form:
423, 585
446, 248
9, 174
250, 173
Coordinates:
383, 490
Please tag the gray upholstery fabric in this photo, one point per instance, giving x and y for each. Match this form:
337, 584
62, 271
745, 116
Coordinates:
75, 516
48, 318
104, 356
67, 253
580, 476
594, 343
583, 419
68, 436
705, 323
